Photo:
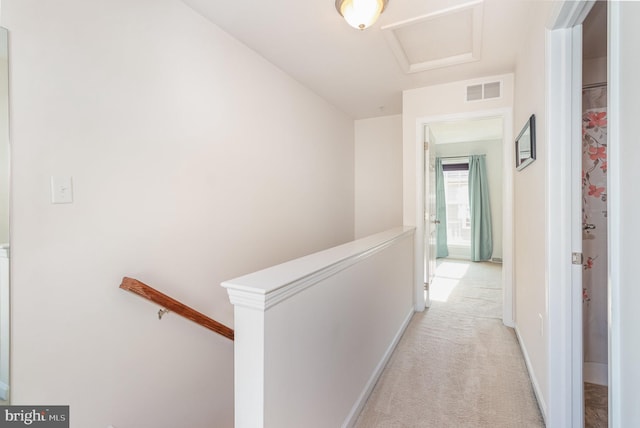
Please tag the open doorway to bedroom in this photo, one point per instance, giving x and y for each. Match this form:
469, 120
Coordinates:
465, 194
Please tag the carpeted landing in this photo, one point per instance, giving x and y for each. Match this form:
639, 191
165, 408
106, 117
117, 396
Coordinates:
457, 365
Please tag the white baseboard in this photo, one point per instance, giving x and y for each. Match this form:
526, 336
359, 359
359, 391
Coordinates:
364, 396
597, 373
532, 376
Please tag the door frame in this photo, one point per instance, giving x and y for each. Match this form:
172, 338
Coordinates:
429, 204
564, 111
508, 315
564, 308
614, 210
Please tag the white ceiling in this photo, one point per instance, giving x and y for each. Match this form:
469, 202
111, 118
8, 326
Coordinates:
357, 71
467, 131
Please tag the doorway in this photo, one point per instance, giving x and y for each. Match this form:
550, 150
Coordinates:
566, 228
454, 143
594, 216
461, 135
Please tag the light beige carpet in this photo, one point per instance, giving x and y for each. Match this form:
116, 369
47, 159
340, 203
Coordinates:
457, 365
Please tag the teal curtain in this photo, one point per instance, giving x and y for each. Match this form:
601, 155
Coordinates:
442, 249
481, 233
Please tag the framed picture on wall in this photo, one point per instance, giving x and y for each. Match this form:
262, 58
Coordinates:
526, 144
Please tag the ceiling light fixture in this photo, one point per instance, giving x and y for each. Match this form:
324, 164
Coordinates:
361, 14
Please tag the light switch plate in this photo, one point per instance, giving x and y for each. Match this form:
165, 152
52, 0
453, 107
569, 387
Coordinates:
61, 190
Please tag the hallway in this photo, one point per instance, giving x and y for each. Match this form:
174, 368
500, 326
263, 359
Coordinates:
457, 365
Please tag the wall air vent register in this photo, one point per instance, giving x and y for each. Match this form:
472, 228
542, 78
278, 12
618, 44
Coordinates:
484, 91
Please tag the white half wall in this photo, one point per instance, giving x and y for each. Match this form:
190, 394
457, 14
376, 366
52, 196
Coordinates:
194, 160
314, 334
378, 174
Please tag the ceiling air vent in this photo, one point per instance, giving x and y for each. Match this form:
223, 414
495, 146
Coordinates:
484, 91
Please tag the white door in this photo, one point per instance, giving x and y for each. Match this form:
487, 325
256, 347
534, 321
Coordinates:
430, 210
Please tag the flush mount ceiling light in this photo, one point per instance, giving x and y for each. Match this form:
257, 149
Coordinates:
361, 14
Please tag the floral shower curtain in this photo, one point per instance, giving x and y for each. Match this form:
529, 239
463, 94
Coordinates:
594, 224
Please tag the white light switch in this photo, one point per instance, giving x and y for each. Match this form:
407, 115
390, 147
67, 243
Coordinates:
61, 190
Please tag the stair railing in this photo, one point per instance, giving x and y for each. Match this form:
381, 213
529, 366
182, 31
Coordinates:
172, 305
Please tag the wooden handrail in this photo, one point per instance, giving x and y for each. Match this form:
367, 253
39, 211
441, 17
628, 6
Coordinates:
173, 305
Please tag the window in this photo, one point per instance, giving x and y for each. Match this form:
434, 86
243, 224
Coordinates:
456, 189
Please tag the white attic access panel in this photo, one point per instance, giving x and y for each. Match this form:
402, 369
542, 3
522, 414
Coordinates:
454, 35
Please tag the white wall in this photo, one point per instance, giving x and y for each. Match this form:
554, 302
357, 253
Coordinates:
493, 151
530, 208
194, 160
594, 71
625, 208
378, 174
